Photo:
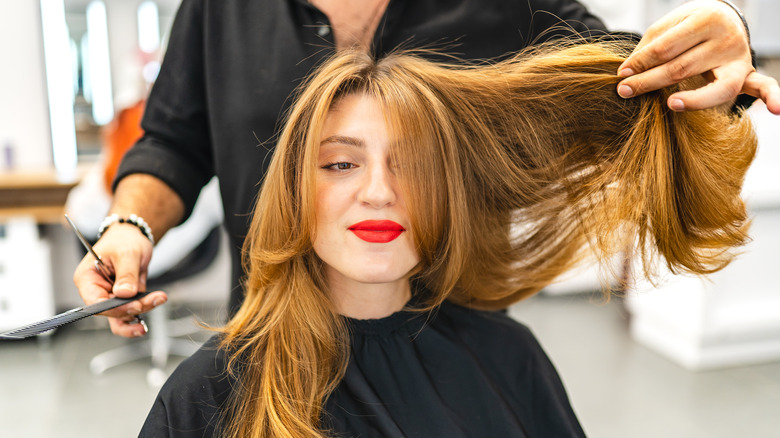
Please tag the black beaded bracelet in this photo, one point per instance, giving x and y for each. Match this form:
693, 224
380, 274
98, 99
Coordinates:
741, 16
132, 219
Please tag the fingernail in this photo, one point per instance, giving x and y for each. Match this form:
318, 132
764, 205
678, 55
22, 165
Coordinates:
676, 105
157, 302
625, 91
626, 72
138, 333
125, 287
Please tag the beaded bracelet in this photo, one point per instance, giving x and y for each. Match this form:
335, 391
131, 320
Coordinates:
132, 219
741, 16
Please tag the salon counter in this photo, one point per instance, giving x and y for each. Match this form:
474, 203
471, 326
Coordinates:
32, 203
36, 193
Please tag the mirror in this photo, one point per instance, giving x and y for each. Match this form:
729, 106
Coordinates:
115, 50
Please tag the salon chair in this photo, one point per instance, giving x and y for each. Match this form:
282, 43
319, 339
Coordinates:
161, 342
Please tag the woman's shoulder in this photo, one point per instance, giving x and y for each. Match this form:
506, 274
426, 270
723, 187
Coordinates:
509, 354
492, 323
494, 336
208, 361
191, 401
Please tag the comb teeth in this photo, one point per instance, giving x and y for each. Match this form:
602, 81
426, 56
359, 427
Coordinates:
64, 318
45, 325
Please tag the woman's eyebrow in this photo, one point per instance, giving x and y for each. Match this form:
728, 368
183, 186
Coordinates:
342, 139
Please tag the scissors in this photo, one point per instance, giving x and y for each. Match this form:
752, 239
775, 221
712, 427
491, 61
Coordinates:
99, 265
78, 313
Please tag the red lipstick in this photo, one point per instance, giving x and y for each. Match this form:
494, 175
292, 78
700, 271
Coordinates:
377, 231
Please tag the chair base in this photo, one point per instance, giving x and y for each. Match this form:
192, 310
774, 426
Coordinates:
158, 347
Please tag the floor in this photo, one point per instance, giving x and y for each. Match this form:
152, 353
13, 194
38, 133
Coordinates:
621, 389
618, 388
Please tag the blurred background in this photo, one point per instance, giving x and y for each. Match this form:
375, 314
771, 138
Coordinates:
689, 357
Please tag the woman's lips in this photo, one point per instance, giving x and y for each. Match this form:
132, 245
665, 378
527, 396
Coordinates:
377, 231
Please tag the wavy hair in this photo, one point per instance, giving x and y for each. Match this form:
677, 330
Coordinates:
512, 170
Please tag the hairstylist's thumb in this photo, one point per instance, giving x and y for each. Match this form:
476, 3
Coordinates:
130, 252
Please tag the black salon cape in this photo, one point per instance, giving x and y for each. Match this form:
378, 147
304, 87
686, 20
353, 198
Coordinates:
455, 373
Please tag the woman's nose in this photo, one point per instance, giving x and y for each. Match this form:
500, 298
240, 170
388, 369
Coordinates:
378, 187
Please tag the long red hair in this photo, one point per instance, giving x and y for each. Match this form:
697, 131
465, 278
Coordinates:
511, 171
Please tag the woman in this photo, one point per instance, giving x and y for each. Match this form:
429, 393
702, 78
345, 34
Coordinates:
405, 195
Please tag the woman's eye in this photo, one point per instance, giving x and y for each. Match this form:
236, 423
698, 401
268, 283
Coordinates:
342, 165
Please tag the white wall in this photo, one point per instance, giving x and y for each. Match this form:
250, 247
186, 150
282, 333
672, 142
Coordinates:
24, 113
761, 15
617, 16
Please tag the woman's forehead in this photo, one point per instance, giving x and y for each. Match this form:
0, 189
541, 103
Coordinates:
358, 116
406, 125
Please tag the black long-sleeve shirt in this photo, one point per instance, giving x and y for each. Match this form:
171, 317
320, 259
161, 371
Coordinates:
231, 66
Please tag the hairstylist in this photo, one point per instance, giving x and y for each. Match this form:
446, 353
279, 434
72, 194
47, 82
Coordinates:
231, 66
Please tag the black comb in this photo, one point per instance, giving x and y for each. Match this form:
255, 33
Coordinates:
71, 315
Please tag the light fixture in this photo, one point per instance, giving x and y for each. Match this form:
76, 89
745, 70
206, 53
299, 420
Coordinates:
59, 81
148, 27
99, 63
86, 78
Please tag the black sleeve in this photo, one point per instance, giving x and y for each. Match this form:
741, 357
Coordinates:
191, 402
176, 146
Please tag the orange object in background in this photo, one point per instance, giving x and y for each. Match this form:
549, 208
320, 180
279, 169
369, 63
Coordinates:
119, 136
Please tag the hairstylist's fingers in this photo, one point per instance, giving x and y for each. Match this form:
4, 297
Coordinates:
127, 252
697, 37
663, 24
127, 327
149, 302
658, 50
139, 306
93, 288
127, 268
765, 88
722, 90
91, 285
687, 65
125, 323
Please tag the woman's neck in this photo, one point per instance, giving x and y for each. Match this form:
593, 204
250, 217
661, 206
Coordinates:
369, 301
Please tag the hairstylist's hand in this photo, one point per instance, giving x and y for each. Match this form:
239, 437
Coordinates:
127, 252
700, 37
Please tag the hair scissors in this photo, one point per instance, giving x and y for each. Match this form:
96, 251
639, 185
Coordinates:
99, 265
78, 313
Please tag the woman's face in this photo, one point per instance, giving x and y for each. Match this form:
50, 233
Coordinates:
363, 230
